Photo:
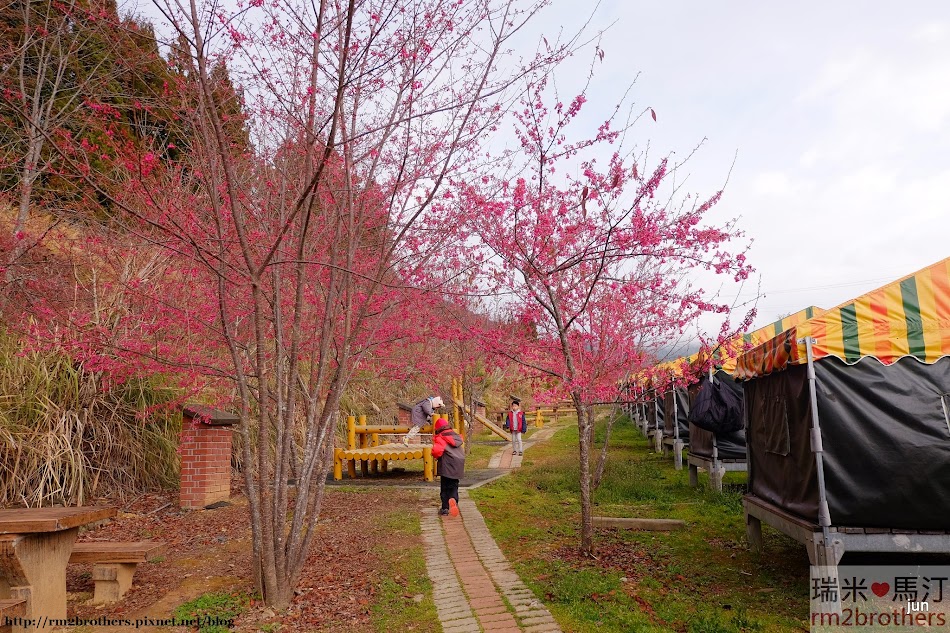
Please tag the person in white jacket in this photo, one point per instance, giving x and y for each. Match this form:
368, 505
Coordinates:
421, 415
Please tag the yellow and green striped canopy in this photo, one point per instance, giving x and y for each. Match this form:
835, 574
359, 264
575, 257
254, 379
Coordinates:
907, 317
724, 357
730, 353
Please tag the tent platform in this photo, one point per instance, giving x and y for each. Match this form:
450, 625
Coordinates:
715, 467
842, 539
646, 429
669, 443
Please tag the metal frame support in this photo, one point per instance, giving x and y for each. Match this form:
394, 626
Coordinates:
824, 514
676, 416
717, 472
646, 419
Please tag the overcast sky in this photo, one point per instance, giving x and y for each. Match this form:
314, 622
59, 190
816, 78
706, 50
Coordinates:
837, 115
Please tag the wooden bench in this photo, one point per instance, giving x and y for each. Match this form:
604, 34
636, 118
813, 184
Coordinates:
113, 565
9, 609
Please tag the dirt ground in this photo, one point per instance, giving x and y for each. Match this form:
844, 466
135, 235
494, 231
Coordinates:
209, 550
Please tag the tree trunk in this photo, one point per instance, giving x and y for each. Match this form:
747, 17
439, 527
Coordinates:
602, 460
584, 427
28, 175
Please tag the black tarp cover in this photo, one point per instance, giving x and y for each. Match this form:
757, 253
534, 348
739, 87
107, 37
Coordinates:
729, 445
681, 411
646, 407
656, 413
885, 436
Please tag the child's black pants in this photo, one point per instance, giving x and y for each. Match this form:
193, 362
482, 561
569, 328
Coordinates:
449, 489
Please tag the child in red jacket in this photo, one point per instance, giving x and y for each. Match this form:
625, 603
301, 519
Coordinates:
447, 448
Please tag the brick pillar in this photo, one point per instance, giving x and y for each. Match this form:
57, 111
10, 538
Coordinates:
205, 446
480, 409
405, 414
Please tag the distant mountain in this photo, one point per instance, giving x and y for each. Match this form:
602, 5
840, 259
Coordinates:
675, 350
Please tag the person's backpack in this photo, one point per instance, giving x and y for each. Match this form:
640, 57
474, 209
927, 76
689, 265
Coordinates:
717, 408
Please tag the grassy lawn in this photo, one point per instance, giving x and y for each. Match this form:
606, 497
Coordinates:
405, 576
485, 443
701, 579
482, 446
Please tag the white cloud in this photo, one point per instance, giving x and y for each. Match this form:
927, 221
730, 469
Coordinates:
772, 183
932, 33
842, 126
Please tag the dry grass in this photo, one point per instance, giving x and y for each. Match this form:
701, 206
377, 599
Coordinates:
64, 439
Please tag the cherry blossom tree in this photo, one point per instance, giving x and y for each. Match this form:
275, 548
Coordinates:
54, 58
300, 236
595, 259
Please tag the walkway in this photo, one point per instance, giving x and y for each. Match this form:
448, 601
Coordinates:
474, 586
505, 459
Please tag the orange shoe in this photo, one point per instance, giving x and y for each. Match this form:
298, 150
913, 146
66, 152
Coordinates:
453, 508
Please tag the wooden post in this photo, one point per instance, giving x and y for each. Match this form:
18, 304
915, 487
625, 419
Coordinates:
350, 432
538, 420
427, 467
351, 468
337, 464
458, 396
374, 465
364, 443
753, 532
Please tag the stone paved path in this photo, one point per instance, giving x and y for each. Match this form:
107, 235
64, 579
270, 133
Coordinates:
504, 457
474, 586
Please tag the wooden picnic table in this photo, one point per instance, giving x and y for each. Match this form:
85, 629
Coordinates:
35, 544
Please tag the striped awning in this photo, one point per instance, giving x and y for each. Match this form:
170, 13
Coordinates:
661, 376
908, 317
731, 353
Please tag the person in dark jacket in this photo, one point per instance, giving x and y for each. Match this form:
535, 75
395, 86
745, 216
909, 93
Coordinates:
420, 415
447, 448
516, 423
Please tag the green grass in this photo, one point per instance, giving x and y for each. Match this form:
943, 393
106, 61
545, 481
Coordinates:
484, 444
701, 579
395, 607
213, 607
480, 455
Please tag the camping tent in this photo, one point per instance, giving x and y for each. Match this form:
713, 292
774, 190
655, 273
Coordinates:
848, 413
709, 445
643, 403
732, 446
675, 400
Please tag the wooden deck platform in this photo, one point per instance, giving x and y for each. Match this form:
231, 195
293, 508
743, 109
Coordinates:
378, 458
